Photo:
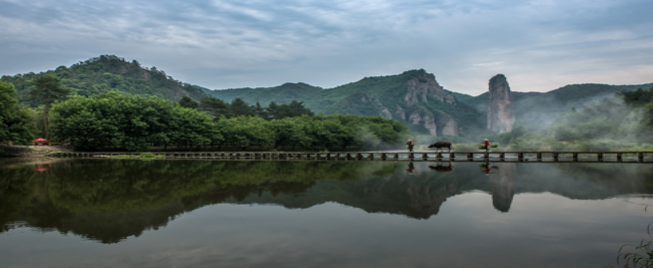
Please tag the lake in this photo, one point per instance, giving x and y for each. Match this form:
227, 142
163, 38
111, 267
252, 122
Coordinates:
202, 213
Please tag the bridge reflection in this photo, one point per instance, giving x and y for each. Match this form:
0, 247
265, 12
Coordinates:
110, 200
515, 156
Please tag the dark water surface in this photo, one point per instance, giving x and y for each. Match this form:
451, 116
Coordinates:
177, 213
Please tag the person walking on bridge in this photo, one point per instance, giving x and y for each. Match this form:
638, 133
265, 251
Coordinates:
410, 145
486, 143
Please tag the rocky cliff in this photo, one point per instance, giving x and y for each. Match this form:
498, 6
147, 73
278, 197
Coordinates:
421, 90
500, 116
413, 98
422, 85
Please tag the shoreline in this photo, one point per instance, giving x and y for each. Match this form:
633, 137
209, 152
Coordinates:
30, 151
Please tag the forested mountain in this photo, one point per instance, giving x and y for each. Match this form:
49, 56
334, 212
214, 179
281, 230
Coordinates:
107, 73
414, 98
285, 93
419, 102
540, 109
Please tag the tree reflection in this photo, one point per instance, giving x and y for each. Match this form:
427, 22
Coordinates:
110, 200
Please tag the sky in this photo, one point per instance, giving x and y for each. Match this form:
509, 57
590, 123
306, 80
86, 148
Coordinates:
540, 45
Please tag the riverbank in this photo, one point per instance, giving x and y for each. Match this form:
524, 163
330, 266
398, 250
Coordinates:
31, 151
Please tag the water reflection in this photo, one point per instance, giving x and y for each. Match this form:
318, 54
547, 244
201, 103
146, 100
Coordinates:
411, 169
110, 200
638, 255
41, 167
442, 167
503, 188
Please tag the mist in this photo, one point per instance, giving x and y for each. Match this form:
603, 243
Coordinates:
607, 123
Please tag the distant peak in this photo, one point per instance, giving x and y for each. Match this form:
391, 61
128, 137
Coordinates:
297, 86
289, 84
498, 77
415, 71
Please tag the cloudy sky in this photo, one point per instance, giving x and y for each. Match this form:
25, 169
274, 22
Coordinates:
539, 45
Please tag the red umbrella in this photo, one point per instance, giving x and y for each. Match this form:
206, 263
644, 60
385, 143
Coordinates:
40, 140
40, 168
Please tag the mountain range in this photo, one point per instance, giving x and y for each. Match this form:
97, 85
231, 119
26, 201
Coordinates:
413, 98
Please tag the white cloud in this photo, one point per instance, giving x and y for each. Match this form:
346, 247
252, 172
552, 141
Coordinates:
223, 44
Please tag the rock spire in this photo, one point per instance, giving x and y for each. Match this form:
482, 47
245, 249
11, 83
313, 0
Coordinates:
500, 116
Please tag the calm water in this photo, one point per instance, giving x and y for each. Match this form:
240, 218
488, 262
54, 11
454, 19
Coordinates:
115, 213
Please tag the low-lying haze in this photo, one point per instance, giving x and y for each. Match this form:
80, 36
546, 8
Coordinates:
539, 45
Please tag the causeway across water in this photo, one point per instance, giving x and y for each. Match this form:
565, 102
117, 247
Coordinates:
509, 156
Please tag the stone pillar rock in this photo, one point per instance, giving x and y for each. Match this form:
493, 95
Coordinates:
500, 116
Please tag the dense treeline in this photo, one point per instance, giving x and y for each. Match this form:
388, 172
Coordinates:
116, 121
113, 120
217, 108
16, 121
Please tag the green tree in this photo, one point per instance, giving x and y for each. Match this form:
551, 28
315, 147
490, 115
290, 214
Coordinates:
191, 128
187, 102
291, 131
113, 121
293, 109
272, 110
7, 101
259, 111
638, 97
215, 107
245, 131
240, 108
15, 120
47, 90
328, 132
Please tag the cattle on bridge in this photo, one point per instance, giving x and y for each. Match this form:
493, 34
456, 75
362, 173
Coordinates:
440, 145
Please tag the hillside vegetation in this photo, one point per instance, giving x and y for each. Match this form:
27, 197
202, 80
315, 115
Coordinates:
110, 73
371, 95
384, 96
285, 93
413, 98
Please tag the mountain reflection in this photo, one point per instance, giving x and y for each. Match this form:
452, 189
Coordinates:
110, 200
503, 188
